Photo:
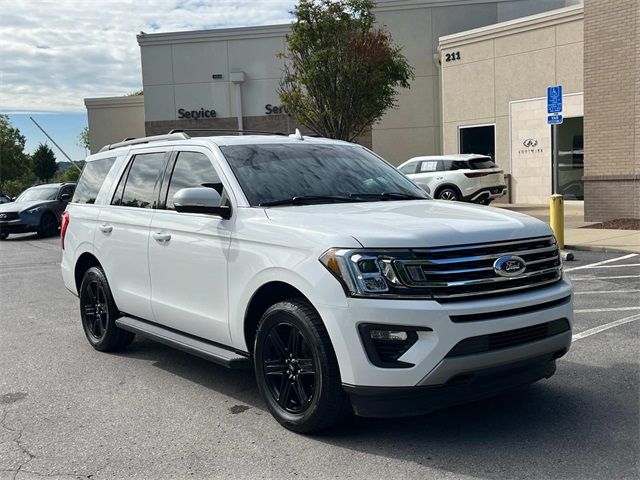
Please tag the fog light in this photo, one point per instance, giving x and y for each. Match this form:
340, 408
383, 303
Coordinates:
396, 336
385, 344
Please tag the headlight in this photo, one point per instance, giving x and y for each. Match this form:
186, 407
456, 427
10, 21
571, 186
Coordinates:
34, 210
368, 272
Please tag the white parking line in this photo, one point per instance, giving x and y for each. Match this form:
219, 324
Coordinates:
611, 260
604, 327
593, 292
614, 309
593, 277
617, 266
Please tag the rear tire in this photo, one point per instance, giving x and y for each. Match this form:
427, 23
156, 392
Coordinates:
449, 193
99, 313
297, 370
48, 225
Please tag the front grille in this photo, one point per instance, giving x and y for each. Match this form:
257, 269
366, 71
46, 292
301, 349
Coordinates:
451, 273
510, 338
6, 216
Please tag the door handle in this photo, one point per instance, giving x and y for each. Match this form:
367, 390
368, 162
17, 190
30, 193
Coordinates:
161, 237
104, 228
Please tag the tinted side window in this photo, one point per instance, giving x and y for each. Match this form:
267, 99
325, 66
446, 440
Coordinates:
192, 169
409, 168
457, 165
141, 182
91, 180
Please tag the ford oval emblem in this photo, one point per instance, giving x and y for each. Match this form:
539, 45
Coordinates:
509, 266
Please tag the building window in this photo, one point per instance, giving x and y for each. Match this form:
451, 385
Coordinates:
479, 139
568, 158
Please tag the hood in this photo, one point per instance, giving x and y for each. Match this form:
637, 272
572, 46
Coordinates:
412, 224
20, 206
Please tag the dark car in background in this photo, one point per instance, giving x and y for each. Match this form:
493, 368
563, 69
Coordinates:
37, 209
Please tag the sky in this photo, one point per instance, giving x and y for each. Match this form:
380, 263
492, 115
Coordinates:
53, 54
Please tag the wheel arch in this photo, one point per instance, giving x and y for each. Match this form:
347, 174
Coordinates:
84, 263
265, 296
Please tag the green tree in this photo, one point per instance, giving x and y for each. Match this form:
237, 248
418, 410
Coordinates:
44, 162
341, 71
14, 163
83, 138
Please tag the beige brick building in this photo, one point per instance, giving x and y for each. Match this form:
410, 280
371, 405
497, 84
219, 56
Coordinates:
612, 109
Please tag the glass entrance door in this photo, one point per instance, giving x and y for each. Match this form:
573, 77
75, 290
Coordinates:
568, 158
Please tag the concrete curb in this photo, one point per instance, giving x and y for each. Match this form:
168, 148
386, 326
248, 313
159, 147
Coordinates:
597, 248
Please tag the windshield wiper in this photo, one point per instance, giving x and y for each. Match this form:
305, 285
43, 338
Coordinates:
306, 200
388, 196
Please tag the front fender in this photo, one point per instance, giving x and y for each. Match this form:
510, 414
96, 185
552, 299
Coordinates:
314, 282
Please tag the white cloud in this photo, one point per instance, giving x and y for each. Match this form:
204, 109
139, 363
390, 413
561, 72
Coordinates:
53, 54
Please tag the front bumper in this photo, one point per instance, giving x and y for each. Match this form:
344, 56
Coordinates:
419, 400
17, 226
432, 364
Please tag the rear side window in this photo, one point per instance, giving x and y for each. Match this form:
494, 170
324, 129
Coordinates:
138, 187
91, 180
192, 169
481, 163
457, 165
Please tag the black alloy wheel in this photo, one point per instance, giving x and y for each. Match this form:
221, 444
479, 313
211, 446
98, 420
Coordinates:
96, 310
289, 367
297, 370
99, 312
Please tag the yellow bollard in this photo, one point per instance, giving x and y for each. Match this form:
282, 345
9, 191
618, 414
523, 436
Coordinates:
556, 217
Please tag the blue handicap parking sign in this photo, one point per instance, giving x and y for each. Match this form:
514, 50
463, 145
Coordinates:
554, 99
554, 119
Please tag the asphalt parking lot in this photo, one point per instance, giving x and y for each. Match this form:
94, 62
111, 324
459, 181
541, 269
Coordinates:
67, 411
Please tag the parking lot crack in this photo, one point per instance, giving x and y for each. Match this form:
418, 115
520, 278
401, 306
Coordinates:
19, 443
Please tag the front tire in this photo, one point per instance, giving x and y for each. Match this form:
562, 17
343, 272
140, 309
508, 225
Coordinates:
296, 369
99, 312
48, 226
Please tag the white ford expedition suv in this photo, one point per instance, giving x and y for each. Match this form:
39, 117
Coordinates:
319, 265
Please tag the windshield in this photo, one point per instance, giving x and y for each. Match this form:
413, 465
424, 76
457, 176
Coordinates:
32, 194
273, 172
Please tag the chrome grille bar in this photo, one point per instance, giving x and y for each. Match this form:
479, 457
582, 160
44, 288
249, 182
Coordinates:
450, 272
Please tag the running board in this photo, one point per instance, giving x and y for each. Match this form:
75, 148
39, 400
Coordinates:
187, 343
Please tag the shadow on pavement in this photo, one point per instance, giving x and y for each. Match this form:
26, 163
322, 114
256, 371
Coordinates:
581, 423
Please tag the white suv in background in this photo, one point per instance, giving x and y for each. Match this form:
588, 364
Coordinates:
471, 178
319, 265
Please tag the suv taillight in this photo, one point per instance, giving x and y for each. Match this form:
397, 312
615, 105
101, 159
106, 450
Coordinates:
63, 227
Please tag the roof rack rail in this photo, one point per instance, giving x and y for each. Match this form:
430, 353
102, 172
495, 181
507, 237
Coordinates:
226, 130
154, 138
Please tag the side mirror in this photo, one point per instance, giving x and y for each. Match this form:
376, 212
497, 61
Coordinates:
65, 197
200, 200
